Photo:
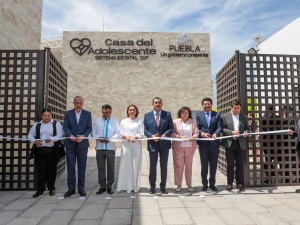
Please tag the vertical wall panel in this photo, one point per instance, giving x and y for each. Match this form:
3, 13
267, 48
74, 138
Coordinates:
21, 76
22, 98
56, 93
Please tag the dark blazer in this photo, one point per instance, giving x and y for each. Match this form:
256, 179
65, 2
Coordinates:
84, 127
215, 127
165, 127
296, 133
228, 127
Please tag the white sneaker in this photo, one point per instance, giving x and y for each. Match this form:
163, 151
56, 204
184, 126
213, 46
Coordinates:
128, 192
136, 191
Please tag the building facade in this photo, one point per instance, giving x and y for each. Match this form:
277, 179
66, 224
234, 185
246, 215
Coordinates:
20, 24
122, 68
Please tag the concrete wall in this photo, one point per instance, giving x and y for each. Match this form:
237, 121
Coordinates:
179, 81
20, 24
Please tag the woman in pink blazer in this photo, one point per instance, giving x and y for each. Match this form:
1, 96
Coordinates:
185, 127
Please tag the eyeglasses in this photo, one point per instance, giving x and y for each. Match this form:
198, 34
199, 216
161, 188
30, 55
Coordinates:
106, 113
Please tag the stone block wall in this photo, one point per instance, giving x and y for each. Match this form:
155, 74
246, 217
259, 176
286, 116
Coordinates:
20, 24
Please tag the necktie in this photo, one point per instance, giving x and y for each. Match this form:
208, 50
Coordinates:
207, 119
157, 120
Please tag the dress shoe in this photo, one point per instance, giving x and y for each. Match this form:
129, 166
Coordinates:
190, 189
297, 191
100, 191
52, 192
204, 188
178, 188
163, 191
37, 194
82, 192
240, 187
69, 193
213, 187
229, 187
152, 190
109, 190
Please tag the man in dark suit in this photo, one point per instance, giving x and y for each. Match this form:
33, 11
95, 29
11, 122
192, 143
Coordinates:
77, 125
209, 125
296, 133
158, 123
235, 123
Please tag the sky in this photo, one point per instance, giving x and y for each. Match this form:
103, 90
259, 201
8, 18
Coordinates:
232, 24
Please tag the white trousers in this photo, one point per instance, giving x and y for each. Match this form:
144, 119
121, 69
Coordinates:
130, 166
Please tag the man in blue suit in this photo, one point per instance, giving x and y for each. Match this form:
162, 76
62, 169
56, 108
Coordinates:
77, 125
210, 125
158, 123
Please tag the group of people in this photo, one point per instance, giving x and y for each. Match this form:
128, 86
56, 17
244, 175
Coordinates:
156, 126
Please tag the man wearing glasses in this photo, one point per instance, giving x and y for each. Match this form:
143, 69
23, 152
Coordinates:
77, 126
106, 129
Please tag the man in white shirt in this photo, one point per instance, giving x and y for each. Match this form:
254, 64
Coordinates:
235, 123
106, 129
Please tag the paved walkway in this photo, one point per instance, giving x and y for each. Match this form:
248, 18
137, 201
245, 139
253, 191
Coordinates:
254, 206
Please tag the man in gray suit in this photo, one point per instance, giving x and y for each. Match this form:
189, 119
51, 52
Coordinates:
235, 123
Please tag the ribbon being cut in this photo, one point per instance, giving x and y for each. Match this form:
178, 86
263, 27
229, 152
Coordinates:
166, 138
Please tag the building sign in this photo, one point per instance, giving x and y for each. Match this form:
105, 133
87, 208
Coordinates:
124, 49
80, 46
183, 39
113, 50
182, 50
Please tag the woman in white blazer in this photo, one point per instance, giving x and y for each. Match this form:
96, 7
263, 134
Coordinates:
131, 129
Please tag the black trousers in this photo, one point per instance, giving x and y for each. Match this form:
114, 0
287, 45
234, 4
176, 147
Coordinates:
163, 155
106, 163
234, 152
46, 167
209, 158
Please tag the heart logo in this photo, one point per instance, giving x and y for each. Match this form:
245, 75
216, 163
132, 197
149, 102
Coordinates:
80, 46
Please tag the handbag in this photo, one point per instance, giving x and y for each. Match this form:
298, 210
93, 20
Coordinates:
32, 151
59, 149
